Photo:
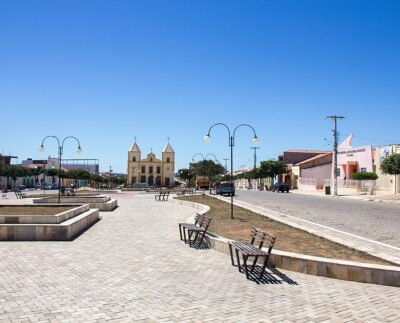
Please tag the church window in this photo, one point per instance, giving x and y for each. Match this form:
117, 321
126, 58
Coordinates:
167, 159
151, 159
151, 169
158, 170
143, 169
133, 158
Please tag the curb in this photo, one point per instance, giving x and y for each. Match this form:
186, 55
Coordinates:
318, 266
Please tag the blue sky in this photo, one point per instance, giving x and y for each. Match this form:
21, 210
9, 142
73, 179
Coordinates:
107, 71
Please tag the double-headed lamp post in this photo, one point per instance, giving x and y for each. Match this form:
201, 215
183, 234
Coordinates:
60, 152
204, 161
207, 139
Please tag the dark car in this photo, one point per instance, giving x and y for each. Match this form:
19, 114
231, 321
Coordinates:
280, 187
225, 189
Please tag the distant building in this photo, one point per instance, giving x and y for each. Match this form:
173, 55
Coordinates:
6, 160
295, 157
90, 165
389, 183
151, 170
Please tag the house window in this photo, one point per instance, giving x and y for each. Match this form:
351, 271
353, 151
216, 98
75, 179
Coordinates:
143, 169
151, 169
158, 170
363, 170
133, 158
338, 172
167, 159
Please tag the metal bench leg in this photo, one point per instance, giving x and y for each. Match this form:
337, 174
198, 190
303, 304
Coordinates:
245, 266
202, 238
184, 234
254, 263
195, 236
180, 231
264, 266
231, 253
238, 261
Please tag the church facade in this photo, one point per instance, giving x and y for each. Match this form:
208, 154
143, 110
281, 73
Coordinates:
151, 170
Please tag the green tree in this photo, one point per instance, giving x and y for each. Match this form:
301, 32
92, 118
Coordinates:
209, 167
272, 168
118, 180
36, 172
185, 174
391, 164
77, 174
17, 171
97, 179
364, 176
52, 172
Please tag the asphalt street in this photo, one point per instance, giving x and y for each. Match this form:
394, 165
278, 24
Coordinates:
372, 220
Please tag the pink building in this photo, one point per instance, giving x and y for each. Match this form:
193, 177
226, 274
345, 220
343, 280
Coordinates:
353, 159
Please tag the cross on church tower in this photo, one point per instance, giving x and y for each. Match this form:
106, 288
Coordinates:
135, 139
168, 139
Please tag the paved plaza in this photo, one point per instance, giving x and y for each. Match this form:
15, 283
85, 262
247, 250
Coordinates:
131, 266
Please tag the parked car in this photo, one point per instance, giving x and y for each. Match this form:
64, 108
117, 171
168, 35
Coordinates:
21, 187
280, 187
225, 189
45, 187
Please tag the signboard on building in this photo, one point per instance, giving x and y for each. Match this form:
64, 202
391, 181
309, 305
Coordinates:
384, 151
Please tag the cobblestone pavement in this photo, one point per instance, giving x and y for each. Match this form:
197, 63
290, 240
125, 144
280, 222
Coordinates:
375, 221
131, 266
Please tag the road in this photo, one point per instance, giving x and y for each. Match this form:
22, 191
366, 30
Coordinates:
372, 220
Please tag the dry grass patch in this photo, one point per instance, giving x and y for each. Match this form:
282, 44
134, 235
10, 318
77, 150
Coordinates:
33, 210
289, 238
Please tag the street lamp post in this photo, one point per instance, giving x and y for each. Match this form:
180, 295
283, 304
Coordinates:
204, 162
207, 139
60, 152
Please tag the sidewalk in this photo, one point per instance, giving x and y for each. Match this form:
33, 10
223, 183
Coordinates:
393, 198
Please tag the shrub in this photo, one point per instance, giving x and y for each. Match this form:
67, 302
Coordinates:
364, 176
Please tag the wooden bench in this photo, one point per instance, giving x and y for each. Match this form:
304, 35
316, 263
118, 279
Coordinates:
199, 229
19, 194
259, 239
162, 196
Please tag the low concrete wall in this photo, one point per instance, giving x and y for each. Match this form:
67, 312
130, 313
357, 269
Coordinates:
103, 203
44, 219
318, 266
73, 199
201, 208
49, 232
105, 207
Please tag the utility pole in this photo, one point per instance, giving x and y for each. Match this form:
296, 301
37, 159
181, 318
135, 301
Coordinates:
335, 151
255, 156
